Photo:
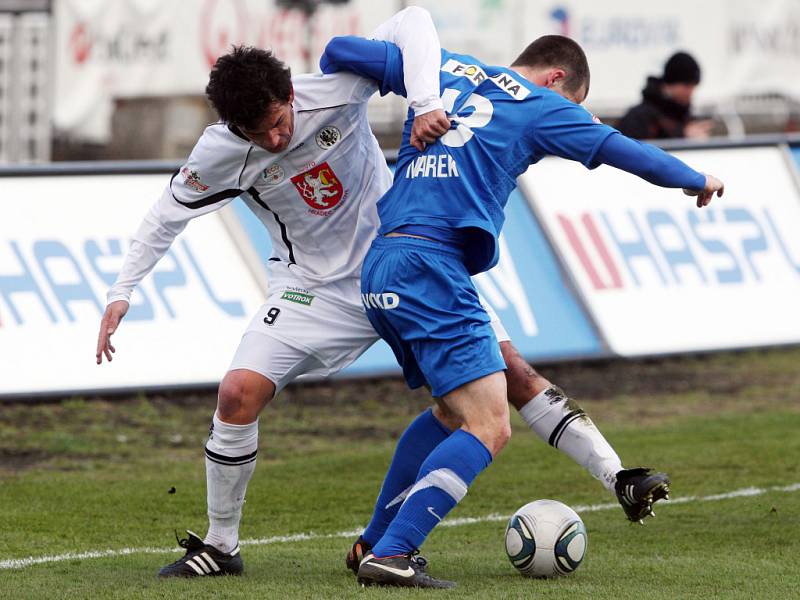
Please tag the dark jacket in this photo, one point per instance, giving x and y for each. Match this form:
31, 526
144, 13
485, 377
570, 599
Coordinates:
657, 117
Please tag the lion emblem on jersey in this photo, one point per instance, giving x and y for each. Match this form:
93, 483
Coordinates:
328, 136
319, 187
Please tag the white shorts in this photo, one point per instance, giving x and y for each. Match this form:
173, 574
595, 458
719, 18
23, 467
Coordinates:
497, 325
318, 332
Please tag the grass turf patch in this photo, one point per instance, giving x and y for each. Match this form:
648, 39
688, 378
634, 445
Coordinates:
99, 475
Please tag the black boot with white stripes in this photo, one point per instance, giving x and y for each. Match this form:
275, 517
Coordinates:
202, 560
638, 489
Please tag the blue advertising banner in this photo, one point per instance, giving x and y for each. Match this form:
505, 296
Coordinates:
530, 293
527, 290
796, 154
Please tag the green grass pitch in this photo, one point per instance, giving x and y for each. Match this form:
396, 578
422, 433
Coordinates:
100, 474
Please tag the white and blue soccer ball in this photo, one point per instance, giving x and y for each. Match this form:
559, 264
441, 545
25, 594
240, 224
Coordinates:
546, 538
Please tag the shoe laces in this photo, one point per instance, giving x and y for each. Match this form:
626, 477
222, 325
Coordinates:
359, 549
414, 557
187, 542
183, 543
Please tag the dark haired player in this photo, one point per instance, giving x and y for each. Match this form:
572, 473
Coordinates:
300, 153
439, 225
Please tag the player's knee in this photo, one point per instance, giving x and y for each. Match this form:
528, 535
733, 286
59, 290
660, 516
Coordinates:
503, 431
230, 399
494, 427
240, 400
497, 438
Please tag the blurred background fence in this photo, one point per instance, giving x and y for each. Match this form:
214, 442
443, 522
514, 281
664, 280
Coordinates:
83, 79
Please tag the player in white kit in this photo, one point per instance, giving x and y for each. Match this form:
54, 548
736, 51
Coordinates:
301, 154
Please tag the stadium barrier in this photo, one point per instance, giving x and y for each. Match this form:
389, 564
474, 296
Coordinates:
659, 276
632, 270
63, 241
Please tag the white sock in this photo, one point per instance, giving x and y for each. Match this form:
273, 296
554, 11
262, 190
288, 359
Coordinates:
230, 462
561, 423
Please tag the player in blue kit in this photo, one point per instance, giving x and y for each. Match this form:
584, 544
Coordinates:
439, 225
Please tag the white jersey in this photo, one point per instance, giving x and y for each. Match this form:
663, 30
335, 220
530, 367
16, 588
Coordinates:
317, 198
318, 201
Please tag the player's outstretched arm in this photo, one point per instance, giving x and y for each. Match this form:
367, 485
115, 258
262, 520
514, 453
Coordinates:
563, 128
108, 325
165, 220
658, 167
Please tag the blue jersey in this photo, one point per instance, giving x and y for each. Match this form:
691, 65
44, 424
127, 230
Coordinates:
501, 124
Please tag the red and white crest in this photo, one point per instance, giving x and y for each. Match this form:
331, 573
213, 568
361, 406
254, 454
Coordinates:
319, 187
191, 177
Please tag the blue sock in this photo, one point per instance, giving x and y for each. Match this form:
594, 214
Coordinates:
441, 484
416, 443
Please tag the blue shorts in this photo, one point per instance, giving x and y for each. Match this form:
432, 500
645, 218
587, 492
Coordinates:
420, 298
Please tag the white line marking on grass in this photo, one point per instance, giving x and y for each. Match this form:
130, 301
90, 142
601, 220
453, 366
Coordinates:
19, 563
744, 492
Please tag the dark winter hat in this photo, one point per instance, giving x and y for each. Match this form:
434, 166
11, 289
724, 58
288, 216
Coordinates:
682, 68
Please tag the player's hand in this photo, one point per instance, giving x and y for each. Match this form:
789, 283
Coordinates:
428, 128
704, 196
113, 315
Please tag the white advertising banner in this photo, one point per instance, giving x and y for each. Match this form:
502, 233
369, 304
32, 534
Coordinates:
743, 47
126, 48
129, 48
659, 275
62, 241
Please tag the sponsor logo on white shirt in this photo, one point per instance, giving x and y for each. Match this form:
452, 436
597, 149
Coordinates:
191, 178
328, 136
273, 174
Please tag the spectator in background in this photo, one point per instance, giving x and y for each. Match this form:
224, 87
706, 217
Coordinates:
665, 110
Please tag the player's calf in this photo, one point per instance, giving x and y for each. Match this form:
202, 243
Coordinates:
563, 424
523, 382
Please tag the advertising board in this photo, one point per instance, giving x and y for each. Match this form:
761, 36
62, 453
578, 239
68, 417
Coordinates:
144, 48
659, 275
62, 241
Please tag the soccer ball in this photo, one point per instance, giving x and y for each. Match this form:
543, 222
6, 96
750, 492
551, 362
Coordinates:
546, 538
